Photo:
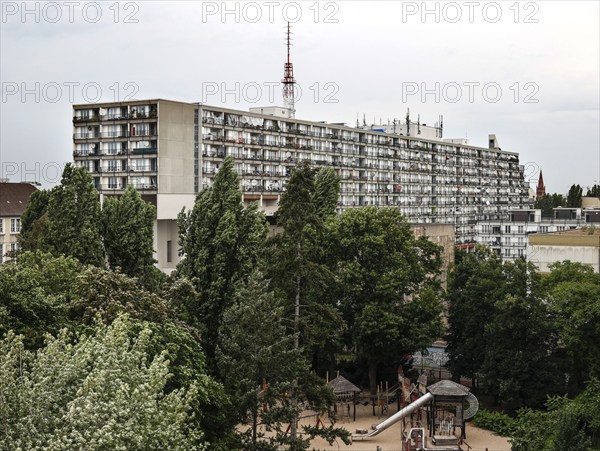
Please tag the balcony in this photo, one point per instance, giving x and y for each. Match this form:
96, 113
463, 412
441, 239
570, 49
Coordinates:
115, 134
86, 135
144, 151
80, 119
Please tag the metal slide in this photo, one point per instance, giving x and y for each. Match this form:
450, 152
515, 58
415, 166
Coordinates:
396, 417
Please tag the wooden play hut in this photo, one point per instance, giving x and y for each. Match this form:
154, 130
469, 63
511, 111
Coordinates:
345, 392
448, 407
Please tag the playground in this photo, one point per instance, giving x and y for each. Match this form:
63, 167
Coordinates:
407, 417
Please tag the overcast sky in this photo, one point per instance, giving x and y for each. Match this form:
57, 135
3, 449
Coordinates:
525, 71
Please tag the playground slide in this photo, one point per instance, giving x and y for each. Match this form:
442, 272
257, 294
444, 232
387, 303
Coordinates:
396, 417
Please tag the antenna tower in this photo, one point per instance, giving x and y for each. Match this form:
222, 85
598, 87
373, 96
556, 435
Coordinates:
288, 77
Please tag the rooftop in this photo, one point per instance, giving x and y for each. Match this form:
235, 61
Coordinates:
14, 197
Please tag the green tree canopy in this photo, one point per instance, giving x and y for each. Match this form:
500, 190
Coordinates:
34, 221
74, 218
221, 242
103, 391
386, 284
574, 196
127, 232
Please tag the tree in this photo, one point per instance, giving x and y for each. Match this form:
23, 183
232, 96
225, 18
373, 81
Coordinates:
263, 371
127, 232
110, 294
103, 391
520, 366
34, 221
221, 242
326, 192
574, 196
548, 202
34, 293
475, 285
74, 218
296, 256
594, 191
573, 294
387, 287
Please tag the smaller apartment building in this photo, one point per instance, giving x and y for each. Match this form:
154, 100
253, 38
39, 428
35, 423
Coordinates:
509, 237
582, 246
13, 200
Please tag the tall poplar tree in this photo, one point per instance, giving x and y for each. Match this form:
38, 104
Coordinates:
127, 233
221, 241
74, 218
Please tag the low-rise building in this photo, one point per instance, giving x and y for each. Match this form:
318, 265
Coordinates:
13, 200
581, 245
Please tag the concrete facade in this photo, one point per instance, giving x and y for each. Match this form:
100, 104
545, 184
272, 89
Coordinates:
171, 150
581, 246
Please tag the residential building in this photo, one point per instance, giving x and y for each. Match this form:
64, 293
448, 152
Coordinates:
508, 237
172, 150
581, 245
13, 200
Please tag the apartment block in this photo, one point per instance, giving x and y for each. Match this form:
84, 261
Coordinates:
13, 201
172, 150
508, 237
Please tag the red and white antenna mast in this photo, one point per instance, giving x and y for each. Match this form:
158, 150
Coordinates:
288, 78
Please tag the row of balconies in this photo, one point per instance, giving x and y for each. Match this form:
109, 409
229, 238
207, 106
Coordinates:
122, 152
472, 153
114, 134
115, 117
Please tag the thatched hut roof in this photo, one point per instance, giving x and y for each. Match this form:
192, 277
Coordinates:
342, 385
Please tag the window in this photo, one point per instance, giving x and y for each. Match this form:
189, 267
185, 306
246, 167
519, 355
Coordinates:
15, 225
112, 182
1, 253
507, 252
543, 229
113, 148
1, 226
506, 229
521, 229
169, 251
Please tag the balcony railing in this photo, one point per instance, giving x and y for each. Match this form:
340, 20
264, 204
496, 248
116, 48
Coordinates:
86, 135
144, 150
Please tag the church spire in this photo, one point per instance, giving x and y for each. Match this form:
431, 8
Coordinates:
541, 188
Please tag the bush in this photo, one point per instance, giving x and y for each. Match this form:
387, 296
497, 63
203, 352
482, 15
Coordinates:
497, 422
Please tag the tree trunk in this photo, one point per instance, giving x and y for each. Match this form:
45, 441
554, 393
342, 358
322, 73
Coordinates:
373, 377
294, 428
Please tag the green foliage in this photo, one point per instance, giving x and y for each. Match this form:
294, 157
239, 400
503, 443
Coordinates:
594, 191
34, 221
127, 230
548, 202
34, 293
573, 294
74, 218
497, 422
264, 371
296, 259
501, 330
221, 241
102, 391
326, 192
574, 196
109, 294
386, 286
566, 424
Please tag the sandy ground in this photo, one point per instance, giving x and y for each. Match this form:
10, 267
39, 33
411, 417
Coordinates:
389, 440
